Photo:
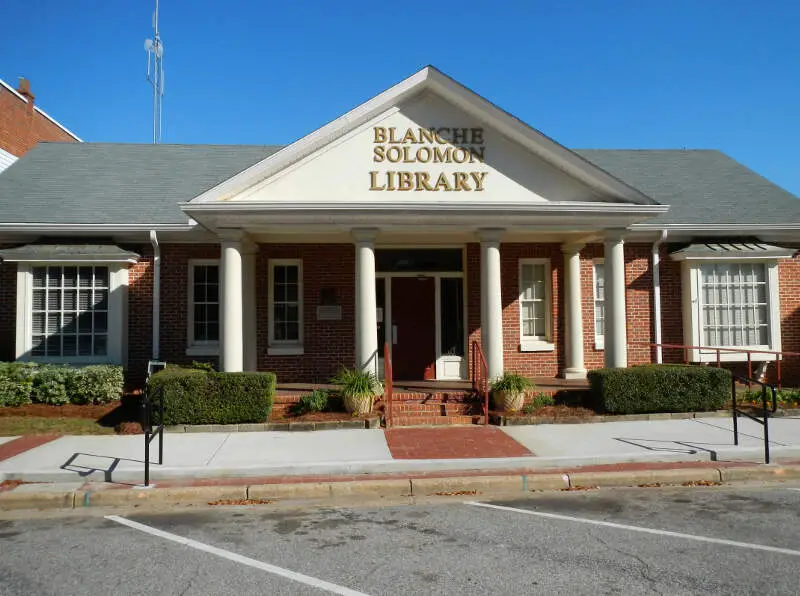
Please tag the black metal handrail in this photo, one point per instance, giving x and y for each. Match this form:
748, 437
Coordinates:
151, 398
765, 411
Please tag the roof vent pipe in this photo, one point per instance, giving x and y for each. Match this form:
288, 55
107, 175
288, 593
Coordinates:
657, 294
156, 293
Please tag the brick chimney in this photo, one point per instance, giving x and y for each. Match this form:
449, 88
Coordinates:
24, 90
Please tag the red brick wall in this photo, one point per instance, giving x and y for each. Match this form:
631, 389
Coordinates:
21, 127
8, 310
174, 313
329, 345
789, 293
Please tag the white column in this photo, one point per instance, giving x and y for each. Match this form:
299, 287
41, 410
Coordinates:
616, 341
491, 302
249, 255
232, 337
573, 321
366, 302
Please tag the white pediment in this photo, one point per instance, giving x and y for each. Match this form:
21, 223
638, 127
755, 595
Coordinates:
425, 149
427, 140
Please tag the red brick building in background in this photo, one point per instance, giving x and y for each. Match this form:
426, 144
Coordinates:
22, 124
426, 219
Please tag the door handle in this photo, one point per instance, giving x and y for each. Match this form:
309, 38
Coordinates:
394, 335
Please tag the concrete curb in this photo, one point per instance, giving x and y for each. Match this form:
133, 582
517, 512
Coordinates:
304, 426
407, 466
48, 497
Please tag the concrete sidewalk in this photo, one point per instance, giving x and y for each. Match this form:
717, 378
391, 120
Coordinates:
349, 452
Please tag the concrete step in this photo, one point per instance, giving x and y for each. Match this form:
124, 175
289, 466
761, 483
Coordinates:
434, 420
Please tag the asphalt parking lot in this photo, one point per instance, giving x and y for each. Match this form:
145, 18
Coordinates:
686, 540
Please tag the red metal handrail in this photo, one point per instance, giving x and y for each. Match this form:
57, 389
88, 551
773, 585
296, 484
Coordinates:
480, 383
778, 354
387, 383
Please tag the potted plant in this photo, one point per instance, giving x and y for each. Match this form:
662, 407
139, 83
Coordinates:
509, 390
358, 389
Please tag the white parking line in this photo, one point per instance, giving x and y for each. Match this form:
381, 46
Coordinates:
292, 575
595, 522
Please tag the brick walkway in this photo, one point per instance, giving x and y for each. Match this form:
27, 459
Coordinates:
22, 444
452, 443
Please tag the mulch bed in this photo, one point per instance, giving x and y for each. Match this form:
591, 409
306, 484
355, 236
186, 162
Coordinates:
550, 412
68, 411
317, 417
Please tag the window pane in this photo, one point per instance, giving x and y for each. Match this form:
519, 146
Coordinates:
70, 322
84, 299
212, 274
39, 277
212, 331
101, 277
85, 322
38, 299
101, 299
291, 293
38, 322
38, 346
54, 277
85, 277
292, 314
280, 274
212, 313
53, 344
199, 292
53, 323
292, 331
70, 345
212, 292
53, 299
100, 322
84, 345
70, 300
70, 277
291, 274
100, 345
280, 313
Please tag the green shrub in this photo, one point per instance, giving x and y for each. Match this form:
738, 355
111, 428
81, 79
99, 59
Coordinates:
512, 383
16, 383
659, 388
539, 400
195, 396
316, 401
96, 384
357, 383
50, 385
786, 398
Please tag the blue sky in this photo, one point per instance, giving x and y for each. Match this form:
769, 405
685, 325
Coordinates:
619, 73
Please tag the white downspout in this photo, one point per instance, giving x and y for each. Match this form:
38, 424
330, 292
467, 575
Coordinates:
657, 294
156, 293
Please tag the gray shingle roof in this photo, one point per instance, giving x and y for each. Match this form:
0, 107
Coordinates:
701, 186
68, 252
143, 184
116, 183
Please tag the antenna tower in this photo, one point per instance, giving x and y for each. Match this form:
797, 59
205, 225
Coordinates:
155, 74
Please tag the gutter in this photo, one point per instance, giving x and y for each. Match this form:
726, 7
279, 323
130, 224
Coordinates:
156, 293
657, 294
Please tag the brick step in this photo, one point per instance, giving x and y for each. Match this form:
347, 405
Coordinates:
434, 420
451, 397
435, 409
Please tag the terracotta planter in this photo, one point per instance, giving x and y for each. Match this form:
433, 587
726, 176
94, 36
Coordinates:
358, 405
509, 401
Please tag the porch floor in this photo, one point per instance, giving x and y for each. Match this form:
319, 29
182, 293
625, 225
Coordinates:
422, 386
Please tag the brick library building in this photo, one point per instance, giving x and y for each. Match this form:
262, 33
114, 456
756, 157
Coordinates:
422, 223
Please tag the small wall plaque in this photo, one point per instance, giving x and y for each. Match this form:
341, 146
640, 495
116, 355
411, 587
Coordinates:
329, 312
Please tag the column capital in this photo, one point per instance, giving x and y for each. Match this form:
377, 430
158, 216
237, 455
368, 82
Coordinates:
490, 234
231, 234
614, 235
249, 247
569, 248
364, 234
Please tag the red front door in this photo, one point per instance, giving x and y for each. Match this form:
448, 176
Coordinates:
414, 321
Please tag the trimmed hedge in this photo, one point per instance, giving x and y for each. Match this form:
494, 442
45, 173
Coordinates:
659, 388
23, 383
195, 396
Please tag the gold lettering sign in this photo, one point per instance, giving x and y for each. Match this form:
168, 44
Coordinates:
428, 145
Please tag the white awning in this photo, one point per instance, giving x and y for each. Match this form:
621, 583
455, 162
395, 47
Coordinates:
733, 250
69, 253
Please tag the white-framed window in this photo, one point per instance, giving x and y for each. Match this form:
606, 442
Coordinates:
599, 297
285, 306
535, 305
72, 312
204, 307
735, 307
731, 304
